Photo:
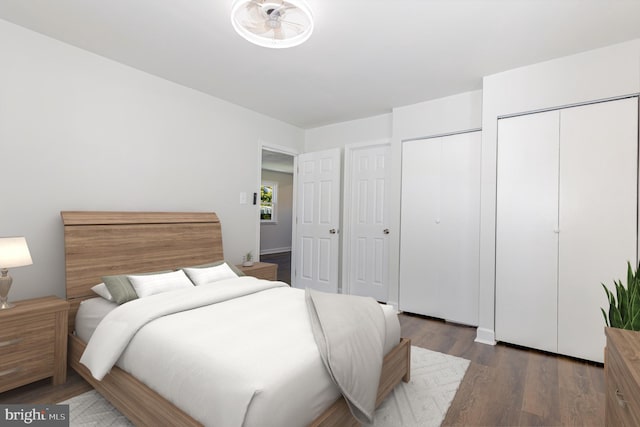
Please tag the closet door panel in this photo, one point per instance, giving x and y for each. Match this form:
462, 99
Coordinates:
460, 223
420, 254
526, 225
598, 217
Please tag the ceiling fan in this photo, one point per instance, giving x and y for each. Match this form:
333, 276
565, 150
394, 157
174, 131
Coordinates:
272, 23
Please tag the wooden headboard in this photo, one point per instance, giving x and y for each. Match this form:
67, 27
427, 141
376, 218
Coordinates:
106, 243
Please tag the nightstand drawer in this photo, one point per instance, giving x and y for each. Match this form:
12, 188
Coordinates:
19, 338
33, 342
26, 325
30, 368
24, 348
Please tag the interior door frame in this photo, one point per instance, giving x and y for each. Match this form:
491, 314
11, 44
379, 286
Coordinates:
347, 230
263, 145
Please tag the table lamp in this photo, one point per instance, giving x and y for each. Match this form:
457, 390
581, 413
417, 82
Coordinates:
14, 252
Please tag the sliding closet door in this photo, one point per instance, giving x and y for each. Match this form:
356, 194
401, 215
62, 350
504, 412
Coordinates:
420, 254
598, 217
440, 220
526, 230
460, 226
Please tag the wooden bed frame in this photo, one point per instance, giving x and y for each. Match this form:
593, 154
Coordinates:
107, 243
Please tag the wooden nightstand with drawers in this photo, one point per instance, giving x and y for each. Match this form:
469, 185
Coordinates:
622, 378
261, 270
33, 342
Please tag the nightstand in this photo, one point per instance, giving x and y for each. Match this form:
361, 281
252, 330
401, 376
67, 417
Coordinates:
621, 369
261, 270
33, 342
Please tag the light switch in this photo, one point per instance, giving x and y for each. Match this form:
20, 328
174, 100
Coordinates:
243, 198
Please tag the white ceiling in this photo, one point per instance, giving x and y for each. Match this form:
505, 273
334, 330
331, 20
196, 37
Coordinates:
364, 58
277, 162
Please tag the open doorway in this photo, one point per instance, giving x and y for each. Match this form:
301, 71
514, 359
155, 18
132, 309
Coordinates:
276, 211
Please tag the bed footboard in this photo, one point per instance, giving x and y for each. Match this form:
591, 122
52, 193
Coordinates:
141, 405
144, 406
396, 367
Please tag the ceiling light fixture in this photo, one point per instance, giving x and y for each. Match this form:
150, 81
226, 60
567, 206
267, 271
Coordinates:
273, 24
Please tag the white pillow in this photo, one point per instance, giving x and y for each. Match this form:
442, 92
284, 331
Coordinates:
152, 284
208, 275
101, 289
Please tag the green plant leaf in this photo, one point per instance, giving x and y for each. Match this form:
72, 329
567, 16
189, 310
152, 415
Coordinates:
634, 325
606, 320
607, 291
615, 317
624, 302
611, 303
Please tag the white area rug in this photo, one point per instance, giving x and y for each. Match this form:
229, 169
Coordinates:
91, 409
422, 402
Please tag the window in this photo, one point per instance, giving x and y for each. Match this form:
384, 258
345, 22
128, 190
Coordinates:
268, 200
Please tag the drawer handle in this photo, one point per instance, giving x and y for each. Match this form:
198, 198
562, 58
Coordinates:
9, 371
10, 342
620, 398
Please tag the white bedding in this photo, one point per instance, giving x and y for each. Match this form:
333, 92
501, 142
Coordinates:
93, 310
90, 313
352, 354
233, 363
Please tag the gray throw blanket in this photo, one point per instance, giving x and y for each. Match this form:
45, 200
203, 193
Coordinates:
350, 332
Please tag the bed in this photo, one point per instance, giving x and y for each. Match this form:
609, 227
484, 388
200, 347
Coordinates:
107, 243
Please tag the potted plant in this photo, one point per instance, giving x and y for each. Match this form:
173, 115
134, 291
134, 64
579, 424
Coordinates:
624, 306
247, 260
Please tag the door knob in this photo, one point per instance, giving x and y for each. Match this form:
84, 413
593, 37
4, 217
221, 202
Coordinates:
333, 231
385, 231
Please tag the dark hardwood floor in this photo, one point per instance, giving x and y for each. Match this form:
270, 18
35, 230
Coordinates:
283, 259
43, 392
511, 386
504, 385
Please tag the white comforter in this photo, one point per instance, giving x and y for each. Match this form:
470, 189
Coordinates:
226, 378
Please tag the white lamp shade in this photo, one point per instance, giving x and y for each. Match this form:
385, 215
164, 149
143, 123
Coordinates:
14, 252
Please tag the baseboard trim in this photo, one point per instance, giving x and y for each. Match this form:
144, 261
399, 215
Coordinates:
485, 336
274, 251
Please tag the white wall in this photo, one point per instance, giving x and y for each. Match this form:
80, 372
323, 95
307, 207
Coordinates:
337, 135
597, 74
81, 132
454, 113
276, 237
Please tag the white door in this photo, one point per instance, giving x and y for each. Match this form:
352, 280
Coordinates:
420, 241
440, 227
598, 217
526, 230
460, 226
368, 264
318, 220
